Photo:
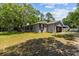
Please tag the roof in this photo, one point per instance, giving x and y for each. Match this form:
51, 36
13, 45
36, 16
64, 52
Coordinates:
53, 22
44, 22
56, 22
65, 26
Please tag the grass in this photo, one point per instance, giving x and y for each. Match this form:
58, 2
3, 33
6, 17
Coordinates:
65, 36
16, 43
40, 47
10, 33
13, 38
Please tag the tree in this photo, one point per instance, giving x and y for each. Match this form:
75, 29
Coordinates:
49, 17
72, 19
41, 16
16, 16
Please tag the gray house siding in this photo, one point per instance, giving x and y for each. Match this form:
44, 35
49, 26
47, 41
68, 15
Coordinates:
51, 28
46, 27
36, 28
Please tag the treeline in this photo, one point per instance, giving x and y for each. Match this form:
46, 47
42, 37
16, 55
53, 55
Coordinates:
72, 20
14, 17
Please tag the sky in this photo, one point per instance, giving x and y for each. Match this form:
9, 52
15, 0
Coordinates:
59, 10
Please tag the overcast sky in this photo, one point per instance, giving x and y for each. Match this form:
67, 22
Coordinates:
59, 11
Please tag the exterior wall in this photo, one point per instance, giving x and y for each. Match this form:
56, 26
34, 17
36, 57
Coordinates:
47, 27
51, 28
36, 28
55, 27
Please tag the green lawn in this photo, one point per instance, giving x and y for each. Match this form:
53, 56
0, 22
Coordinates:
13, 38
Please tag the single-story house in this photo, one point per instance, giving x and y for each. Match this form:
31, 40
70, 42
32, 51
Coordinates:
43, 26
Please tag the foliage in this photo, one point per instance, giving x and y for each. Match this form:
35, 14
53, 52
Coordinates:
16, 16
49, 17
72, 20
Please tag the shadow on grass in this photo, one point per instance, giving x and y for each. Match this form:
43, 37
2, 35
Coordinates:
40, 47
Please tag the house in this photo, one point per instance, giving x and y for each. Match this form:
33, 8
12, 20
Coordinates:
43, 26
